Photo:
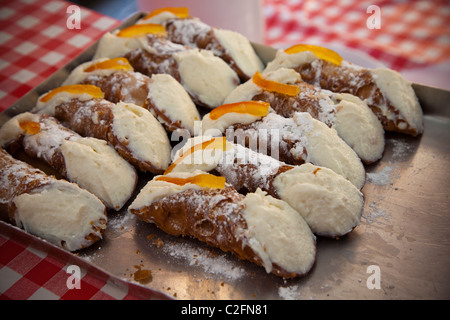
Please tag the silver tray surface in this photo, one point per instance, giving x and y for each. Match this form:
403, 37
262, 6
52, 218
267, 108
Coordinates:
403, 238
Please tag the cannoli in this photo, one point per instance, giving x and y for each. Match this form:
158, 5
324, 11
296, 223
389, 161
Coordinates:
161, 94
207, 78
234, 48
255, 227
330, 204
55, 210
91, 163
389, 95
294, 140
287, 94
132, 130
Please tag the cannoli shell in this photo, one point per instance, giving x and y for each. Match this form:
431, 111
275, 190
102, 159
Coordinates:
211, 221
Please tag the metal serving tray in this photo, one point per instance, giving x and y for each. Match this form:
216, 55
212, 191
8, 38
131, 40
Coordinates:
401, 250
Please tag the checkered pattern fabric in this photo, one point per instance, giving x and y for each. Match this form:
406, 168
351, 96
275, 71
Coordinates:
27, 273
35, 41
411, 33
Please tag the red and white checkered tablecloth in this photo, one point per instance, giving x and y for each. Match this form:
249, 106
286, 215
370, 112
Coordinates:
27, 273
31, 270
35, 42
411, 34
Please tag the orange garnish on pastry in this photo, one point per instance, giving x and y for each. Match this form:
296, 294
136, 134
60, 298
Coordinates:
180, 12
320, 52
137, 30
115, 63
202, 180
30, 127
274, 86
93, 91
254, 108
215, 143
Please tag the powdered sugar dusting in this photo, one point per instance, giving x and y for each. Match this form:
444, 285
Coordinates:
208, 261
374, 213
288, 293
382, 177
400, 149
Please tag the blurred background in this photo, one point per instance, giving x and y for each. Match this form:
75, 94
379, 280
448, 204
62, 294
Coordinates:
412, 37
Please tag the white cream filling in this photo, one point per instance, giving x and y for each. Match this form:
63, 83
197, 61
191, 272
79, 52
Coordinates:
240, 50
247, 90
243, 92
113, 46
144, 135
219, 125
400, 93
285, 60
329, 203
155, 190
202, 159
11, 130
160, 18
169, 96
97, 167
205, 76
359, 127
78, 74
59, 98
60, 212
278, 234
325, 148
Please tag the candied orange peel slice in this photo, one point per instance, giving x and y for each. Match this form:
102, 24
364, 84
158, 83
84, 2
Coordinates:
115, 63
180, 12
274, 86
138, 30
254, 108
205, 180
93, 91
321, 52
30, 127
215, 143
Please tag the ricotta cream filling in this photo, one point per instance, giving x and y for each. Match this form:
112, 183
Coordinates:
112, 46
155, 190
143, 134
240, 50
359, 127
61, 212
169, 96
59, 98
325, 148
400, 93
329, 203
285, 60
96, 166
247, 90
205, 76
218, 126
78, 74
278, 234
